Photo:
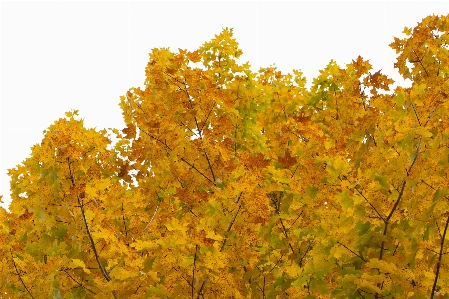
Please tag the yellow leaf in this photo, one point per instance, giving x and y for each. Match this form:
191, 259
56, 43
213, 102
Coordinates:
76, 263
212, 235
89, 215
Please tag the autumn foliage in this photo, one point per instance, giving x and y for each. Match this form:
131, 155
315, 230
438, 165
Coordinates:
228, 183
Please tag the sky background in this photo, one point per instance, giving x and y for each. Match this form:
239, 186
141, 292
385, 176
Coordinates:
57, 56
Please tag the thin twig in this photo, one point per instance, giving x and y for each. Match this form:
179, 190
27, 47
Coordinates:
360, 257
193, 271
124, 223
80, 284
151, 220
20, 277
439, 260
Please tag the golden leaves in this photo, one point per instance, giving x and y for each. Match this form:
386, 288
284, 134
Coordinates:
241, 178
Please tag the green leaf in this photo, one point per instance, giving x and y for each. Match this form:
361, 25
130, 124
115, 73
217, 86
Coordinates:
311, 191
362, 227
382, 181
399, 99
345, 200
55, 292
300, 281
440, 193
319, 286
153, 289
60, 231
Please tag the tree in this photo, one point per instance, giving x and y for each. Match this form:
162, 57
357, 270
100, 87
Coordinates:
227, 183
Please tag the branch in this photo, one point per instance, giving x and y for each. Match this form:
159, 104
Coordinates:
284, 231
419, 60
200, 292
80, 284
182, 159
277, 263
94, 248
360, 257
18, 273
305, 253
413, 107
439, 260
369, 203
210, 166
193, 271
416, 155
157, 139
151, 220
89, 234
124, 223
430, 115
188, 282
207, 117
191, 165
224, 242
229, 227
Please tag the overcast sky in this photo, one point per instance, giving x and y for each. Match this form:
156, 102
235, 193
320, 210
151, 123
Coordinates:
59, 55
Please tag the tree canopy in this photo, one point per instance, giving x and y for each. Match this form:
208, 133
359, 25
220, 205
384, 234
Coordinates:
229, 183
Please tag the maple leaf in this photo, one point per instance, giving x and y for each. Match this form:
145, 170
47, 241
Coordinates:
287, 160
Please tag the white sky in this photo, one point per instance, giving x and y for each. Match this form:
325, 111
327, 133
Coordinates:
83, 55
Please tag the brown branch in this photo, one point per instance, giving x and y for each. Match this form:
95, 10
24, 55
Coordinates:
277, 263
401, 193
193, 271
428, 185
188, 282
80, 284
305, 253
229, 227
182, 159
207, 117
294, 221
223, 244
94, 248
360, 257
439, 259
366, 199
189, 129
417, 117
20, 277
419, 60
284, 231
416, 155
200, 292
89, 234
124, 223
210, 166
430, 115
191, 165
